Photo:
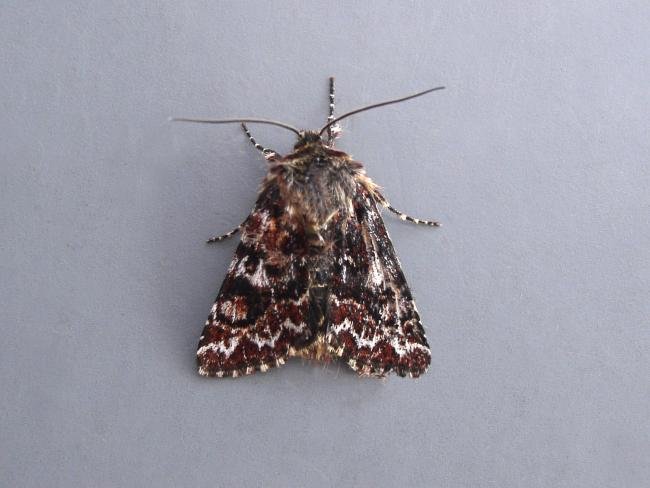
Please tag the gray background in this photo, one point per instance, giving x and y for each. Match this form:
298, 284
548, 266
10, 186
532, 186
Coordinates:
534, 293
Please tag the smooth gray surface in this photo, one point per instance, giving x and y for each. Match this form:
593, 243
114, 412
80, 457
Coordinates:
535, 292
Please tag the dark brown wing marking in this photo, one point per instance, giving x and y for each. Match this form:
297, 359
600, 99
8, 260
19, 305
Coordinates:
374, 324
259, 314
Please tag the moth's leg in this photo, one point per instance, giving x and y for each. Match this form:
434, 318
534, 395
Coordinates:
332, 131
404, 216
226, 235
268, 153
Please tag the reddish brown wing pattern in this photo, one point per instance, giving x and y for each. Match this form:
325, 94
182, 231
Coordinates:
259, 312
374, 324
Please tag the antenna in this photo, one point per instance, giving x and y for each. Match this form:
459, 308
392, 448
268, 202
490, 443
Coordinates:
377, 105
237, 121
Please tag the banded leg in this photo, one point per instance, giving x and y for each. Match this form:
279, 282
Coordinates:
408, 218
225, 236
332, 131
268, 153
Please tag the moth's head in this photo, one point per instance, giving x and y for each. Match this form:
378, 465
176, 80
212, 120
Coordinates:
308, 137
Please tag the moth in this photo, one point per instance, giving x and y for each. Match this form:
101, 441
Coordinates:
315, 274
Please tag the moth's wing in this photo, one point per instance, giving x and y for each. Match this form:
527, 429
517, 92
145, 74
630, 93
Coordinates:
261, 307
374, 324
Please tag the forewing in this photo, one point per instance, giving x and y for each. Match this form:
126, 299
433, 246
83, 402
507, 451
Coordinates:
261, 307
374, 324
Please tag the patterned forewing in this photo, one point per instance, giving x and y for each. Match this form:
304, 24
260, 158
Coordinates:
374, 324
261, 307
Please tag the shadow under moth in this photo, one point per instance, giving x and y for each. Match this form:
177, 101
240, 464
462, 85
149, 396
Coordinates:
315, 274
